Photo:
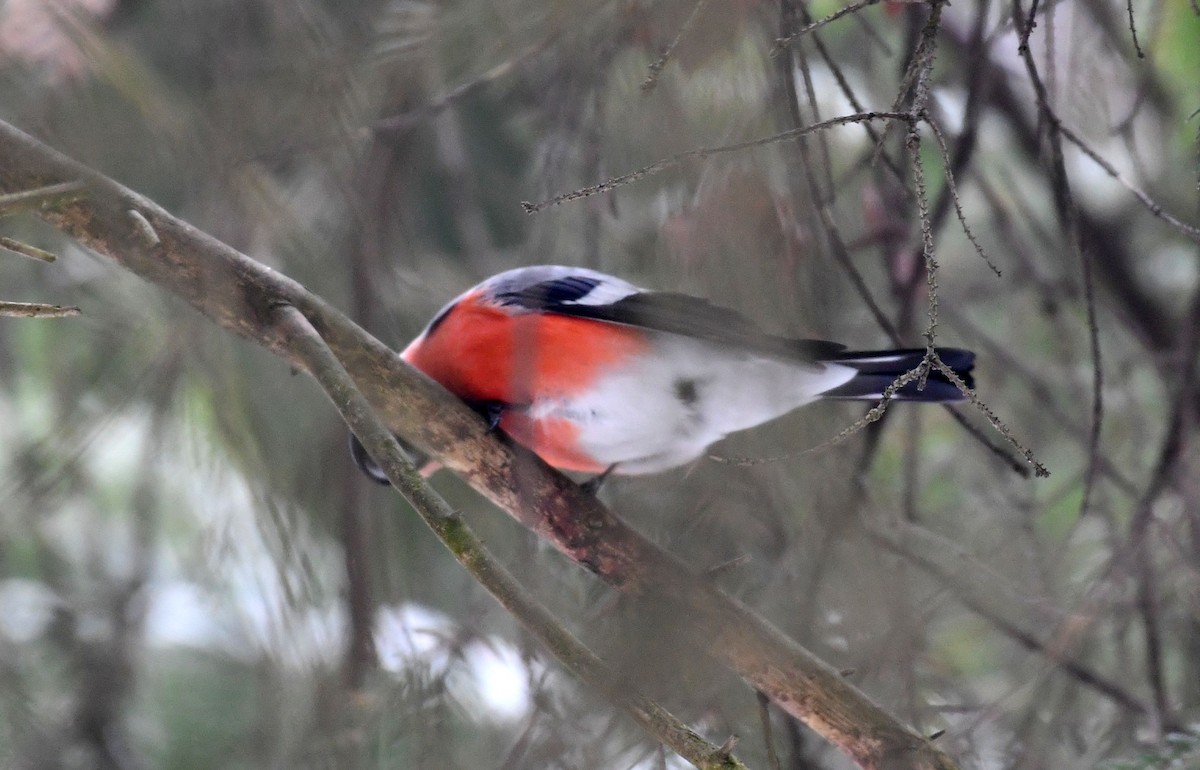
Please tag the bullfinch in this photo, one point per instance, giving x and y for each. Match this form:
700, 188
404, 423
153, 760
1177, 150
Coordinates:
595, 374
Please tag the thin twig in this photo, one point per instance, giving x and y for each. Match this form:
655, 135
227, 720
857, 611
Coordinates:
705, 152
35, 310
835, 68
656, 67
992, 597
1039, 470
948, 174
1050, 53
814, 107
999, 452
408, 120
978, 85
1041, 392
833, 236
782, 43
873, 414
25, 250
792, 8
1153, 207
1027, 29
764, 720
38, 197
821, 198
913, 143
1148, 609
1065, 203
932, 360
838, 247
918, 76
1133, 30
471, 554
915, 82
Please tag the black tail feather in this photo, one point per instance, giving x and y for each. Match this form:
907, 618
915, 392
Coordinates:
878, 369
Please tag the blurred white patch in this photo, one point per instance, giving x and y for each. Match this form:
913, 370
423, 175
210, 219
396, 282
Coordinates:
831, 99
497, 678
485, 675
1171, 270
952, 105
1094, 186
26, 609
838, 642
179, 614
411, 633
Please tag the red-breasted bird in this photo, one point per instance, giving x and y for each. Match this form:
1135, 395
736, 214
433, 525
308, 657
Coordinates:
595, 374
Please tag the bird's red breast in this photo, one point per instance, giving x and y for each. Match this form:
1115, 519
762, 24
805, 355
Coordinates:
481, 352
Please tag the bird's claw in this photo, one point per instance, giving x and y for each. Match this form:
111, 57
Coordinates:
592, 485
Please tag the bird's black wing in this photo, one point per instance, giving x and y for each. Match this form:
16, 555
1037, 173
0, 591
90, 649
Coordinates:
667, 312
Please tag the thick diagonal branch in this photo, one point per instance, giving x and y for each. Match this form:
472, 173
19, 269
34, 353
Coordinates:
472, 555
241, 295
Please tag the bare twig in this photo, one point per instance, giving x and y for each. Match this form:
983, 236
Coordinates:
821, 198
764, 720
1025, 29
952, 190
873, 414
800, 58
405, 122
656, 67
1151, 205
995, 599
920, 63
1064, 200
1042, 392
1039, 470
782, 43
1133, 30
34, 310
25, 250
836, 69
1148, 609
706, 152
837, 244
913, 143
39, 197
917, 78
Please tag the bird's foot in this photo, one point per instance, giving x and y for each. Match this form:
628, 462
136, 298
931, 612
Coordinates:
491, 411
592, 485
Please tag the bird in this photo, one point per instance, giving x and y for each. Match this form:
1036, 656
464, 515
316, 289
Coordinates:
600, 376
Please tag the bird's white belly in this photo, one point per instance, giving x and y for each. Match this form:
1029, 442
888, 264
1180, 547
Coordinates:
665, 408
